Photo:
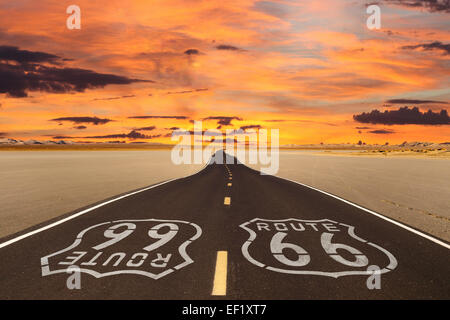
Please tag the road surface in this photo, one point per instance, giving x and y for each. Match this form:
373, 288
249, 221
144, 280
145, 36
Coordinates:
227, 232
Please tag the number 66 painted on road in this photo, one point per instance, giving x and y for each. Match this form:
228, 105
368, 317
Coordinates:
268, 247
277, 246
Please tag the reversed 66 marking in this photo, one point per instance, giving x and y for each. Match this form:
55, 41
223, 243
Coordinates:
315, 247
152, 248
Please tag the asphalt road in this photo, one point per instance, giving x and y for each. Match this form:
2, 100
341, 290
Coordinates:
226, 232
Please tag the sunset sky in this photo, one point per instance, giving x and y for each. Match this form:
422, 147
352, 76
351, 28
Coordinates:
144, 68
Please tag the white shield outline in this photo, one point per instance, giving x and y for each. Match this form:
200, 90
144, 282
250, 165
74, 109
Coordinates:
181, 249
351, 231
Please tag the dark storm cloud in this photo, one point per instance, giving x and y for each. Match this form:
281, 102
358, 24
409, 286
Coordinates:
404, 116
190, 52
227, 47
412, 101
80, 127
17, 80
382, 131
150, 128
29, 72
131, 135
430, 5
9, 53
437, 45
253, 126
159, 117
93, 120
223, 121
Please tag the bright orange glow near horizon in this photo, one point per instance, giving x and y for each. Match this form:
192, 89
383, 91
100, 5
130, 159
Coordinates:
303, 67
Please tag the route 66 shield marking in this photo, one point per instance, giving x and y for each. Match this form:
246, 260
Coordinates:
152, 248
313, 247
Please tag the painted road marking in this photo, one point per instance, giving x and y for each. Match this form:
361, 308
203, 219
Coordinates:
322, 231
227, 201
229, 184
157, 263
220, 275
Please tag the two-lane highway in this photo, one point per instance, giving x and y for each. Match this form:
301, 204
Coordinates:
225, 232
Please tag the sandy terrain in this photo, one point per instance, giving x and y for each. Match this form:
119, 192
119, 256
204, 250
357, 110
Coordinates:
420, 153
37, 186
412, 189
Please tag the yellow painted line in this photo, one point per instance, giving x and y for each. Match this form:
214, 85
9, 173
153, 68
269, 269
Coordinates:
227, 201
220, 276
229, 184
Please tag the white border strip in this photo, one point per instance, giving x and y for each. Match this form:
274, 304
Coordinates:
401, 225
54, 224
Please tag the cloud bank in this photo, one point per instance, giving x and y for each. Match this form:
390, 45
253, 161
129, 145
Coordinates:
22, 71
404, 116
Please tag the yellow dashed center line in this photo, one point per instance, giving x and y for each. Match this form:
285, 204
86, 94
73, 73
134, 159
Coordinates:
227, 201
220, 276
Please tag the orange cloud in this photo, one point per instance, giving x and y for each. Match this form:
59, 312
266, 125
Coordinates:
309, 61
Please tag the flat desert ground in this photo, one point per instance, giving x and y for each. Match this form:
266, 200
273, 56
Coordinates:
40, 185
409, 188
